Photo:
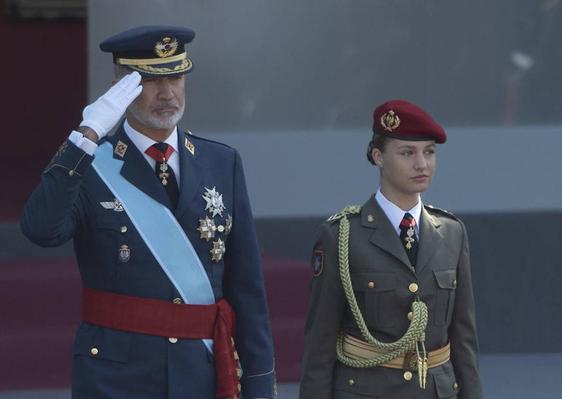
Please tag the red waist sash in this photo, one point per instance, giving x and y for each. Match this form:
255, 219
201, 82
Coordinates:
167, 319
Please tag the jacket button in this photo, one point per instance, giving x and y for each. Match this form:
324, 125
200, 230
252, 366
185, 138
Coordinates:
408, 375
413, 288
351, 382
455, 283
410, 315
177, 301
123, 229
94, 351
172, 340
371, 284
71, 172
455, 386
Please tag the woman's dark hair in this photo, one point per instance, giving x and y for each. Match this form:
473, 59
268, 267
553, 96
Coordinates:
379, 141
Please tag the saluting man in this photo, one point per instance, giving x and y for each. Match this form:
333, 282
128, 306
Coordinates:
174, 303
391, 308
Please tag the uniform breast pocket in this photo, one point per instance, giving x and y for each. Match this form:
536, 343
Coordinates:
445, 300
376, 295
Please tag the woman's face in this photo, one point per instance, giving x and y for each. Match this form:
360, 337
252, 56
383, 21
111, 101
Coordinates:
407, 167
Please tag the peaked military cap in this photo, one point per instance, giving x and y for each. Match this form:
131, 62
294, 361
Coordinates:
151, 50
406, 121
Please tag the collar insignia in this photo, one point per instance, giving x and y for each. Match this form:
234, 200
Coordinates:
120, 149
190, 147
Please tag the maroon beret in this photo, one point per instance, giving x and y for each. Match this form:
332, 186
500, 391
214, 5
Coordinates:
406, 121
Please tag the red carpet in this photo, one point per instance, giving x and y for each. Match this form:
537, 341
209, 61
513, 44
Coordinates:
40, 311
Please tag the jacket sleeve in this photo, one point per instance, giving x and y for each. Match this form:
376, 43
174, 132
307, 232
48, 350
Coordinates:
323, 323
53, 213
462, 331
244, 289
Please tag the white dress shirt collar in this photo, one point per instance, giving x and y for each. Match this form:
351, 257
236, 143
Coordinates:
143, 142
395, 214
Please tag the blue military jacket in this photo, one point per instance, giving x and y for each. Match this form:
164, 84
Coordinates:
72, 202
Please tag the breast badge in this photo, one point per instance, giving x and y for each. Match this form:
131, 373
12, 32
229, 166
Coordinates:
124, 253
207, 228
211, 226
214, 201
114, 205
218, 250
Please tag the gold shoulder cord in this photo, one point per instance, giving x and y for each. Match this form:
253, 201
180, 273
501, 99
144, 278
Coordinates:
412, 340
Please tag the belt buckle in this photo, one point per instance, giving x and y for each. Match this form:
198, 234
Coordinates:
410, 362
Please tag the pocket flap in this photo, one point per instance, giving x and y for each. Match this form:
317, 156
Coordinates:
446, 278
102, 343
445, 385
373, 282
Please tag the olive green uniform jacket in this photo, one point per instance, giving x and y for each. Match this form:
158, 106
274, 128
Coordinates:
377, 256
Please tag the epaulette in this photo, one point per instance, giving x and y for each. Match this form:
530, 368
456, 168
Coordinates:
191, 136
348, 210
440, 211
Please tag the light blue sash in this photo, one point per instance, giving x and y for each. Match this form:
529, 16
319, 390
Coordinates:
160, 231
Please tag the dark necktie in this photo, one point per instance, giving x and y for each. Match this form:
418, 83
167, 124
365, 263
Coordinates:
161, 152
408, 237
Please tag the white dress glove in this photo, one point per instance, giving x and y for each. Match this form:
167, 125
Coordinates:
104, 113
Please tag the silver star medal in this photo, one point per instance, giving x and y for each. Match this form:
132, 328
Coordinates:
206, 228
218, 250
215, 205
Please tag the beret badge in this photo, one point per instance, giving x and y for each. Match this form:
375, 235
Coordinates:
390, 121
166, 47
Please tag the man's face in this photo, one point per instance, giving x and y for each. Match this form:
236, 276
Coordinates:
161, 104
407, 167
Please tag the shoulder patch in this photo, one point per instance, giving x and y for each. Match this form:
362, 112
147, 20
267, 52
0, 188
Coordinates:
439, 211
318, 262
348, 210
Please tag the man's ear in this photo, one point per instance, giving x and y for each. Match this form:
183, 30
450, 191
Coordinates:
376, 154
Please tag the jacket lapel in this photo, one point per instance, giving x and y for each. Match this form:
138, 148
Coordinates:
384, 236
430, 239
135, 168
190, 175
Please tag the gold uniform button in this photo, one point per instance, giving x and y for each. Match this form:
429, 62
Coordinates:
455, 386
172, 340
413, 288
351, 382
177, 301
123, 229
371, 284
408, 375
410, 315
71, 173
94, 351
220, 228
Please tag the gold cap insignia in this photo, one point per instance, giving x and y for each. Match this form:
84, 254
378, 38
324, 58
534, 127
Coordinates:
166, 47
390, 121
120, 149
190, 147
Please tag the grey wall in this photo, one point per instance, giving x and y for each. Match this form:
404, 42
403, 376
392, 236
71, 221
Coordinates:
292, 85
